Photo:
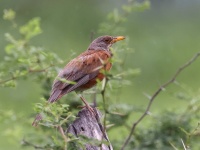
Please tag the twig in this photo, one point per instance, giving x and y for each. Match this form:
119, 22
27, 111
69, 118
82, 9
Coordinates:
104, 101
30, 144
40, 70
29, 71
62, 133
156, 94
63, 136
105, 81
4, 81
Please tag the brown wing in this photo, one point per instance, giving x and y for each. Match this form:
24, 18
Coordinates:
81, 70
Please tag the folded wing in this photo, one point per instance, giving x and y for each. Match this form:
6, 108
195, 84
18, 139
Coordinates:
79, 70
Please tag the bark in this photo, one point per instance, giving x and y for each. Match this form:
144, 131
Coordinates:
88, 125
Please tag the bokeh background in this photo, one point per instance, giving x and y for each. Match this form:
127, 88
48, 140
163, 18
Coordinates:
163, 38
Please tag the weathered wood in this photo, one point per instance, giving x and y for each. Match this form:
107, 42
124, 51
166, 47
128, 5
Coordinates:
88, 125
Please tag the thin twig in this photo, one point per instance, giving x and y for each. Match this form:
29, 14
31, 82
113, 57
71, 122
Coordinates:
156, 94
40, 70
63, 136
62, 133
4, 81
30, 144
29, 71
105, 81
104, 101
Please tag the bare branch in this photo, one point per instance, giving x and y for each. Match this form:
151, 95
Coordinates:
172, 80
62, 133
63, 136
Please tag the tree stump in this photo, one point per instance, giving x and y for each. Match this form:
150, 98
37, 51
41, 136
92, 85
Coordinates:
88, 125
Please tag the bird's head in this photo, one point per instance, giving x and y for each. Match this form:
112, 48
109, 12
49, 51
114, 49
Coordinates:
104, 42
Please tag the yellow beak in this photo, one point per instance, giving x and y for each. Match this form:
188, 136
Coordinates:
118, 38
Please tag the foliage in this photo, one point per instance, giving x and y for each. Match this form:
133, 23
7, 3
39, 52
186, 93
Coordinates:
166, 130
24, 61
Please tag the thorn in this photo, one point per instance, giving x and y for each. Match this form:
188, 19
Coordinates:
176, 82
162, 88
149, 113
183, 145
147, 95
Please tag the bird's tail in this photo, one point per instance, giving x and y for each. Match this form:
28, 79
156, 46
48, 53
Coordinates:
55, 96
37, 120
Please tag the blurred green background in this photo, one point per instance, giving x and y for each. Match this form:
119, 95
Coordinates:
162, 38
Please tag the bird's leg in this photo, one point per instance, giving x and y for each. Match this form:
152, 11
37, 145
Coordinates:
87, 105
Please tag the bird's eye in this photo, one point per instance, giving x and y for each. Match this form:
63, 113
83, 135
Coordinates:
107, 40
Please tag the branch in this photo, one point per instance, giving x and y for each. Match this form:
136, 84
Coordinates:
105, 81
4, 81
89, 127
26, 143
40, 70
156, 94
29, 72
63, 136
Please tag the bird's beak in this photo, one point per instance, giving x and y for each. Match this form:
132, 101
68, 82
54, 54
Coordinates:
118, 38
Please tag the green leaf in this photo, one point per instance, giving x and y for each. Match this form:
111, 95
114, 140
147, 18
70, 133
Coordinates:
10, 38
23, 73
31, 29
9, 48
11, 83
127, 8
9, 14
141, 6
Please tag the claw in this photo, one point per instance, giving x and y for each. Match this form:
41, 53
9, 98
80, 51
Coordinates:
91, 109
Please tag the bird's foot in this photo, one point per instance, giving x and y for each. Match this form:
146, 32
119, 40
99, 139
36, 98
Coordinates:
90, 108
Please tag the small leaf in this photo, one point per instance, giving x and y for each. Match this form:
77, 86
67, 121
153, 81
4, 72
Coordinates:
9, 14
11, 83
31, 29
9, 48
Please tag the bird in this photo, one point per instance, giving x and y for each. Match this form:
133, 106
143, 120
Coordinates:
84, 71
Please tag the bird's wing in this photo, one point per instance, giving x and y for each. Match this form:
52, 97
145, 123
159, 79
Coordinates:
80, 70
